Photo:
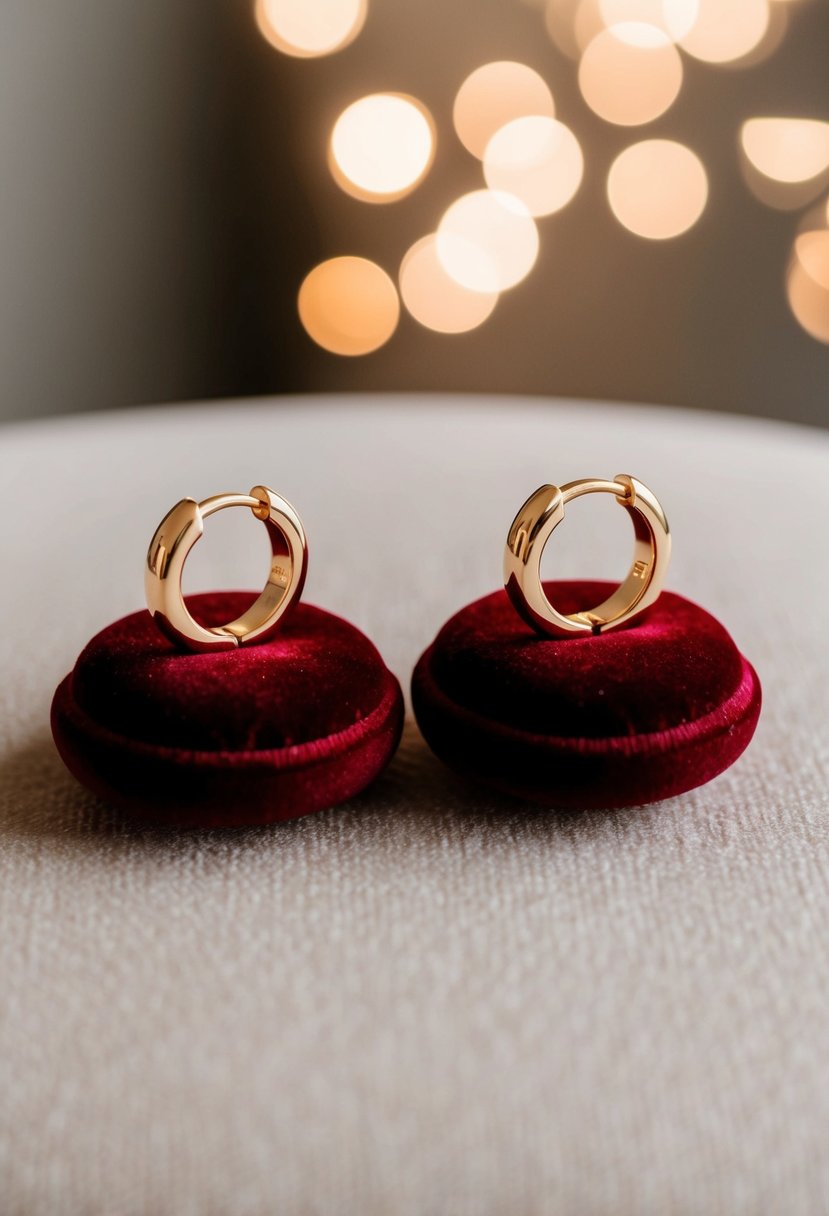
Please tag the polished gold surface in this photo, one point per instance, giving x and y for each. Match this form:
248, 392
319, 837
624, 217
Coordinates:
174, 538
534, 525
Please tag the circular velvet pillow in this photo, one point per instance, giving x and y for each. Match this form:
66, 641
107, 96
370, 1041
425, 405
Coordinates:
627, 717
245, 736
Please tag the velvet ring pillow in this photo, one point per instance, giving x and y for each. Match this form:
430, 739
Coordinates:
626, 717
245, 736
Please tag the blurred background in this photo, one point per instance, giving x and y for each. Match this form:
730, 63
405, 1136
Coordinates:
598, 198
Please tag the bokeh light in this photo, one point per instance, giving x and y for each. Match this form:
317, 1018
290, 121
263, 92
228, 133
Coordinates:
657, 188
538, 160
573, 24
808, 300
495, 94
434, 298
812, 252
679, 17
674, 17
778, 24
787, 149
381, 147
784, 161
487, 241
349, 306
616, 11
630, 73
308, 28
725, 31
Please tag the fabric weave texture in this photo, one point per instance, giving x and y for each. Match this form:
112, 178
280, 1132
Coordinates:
432, 999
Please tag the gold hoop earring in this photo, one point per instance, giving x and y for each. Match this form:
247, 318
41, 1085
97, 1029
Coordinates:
174, 538
534, 525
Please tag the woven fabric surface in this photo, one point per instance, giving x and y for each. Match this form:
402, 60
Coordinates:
431, 1000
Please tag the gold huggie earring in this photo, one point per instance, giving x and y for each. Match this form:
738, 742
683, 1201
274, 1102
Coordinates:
174, 538
534, 524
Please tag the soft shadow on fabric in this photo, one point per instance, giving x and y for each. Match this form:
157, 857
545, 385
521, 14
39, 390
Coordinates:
417, 795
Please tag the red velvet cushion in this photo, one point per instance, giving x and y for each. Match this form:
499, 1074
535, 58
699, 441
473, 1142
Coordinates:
251, 735
631, 716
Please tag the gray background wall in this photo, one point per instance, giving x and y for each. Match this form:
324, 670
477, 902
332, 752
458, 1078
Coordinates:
163, 190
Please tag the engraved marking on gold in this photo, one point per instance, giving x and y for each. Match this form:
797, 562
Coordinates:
533, 526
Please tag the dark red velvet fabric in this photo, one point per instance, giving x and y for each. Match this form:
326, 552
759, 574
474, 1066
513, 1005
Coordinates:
251, 735
627, 717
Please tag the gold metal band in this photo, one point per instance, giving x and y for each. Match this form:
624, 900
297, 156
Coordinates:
174, 538
534, 524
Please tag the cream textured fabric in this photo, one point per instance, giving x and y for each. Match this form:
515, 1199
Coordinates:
430, 1002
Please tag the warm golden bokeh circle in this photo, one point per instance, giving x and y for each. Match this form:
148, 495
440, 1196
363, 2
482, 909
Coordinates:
435, 299
573, 24
487, 241
495, 94
382, 146
674, 17
812, 252
787, 150
349, 306
808, 300
726, 31
306, 29
536, 159
630, 73
678, 17
657, 188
